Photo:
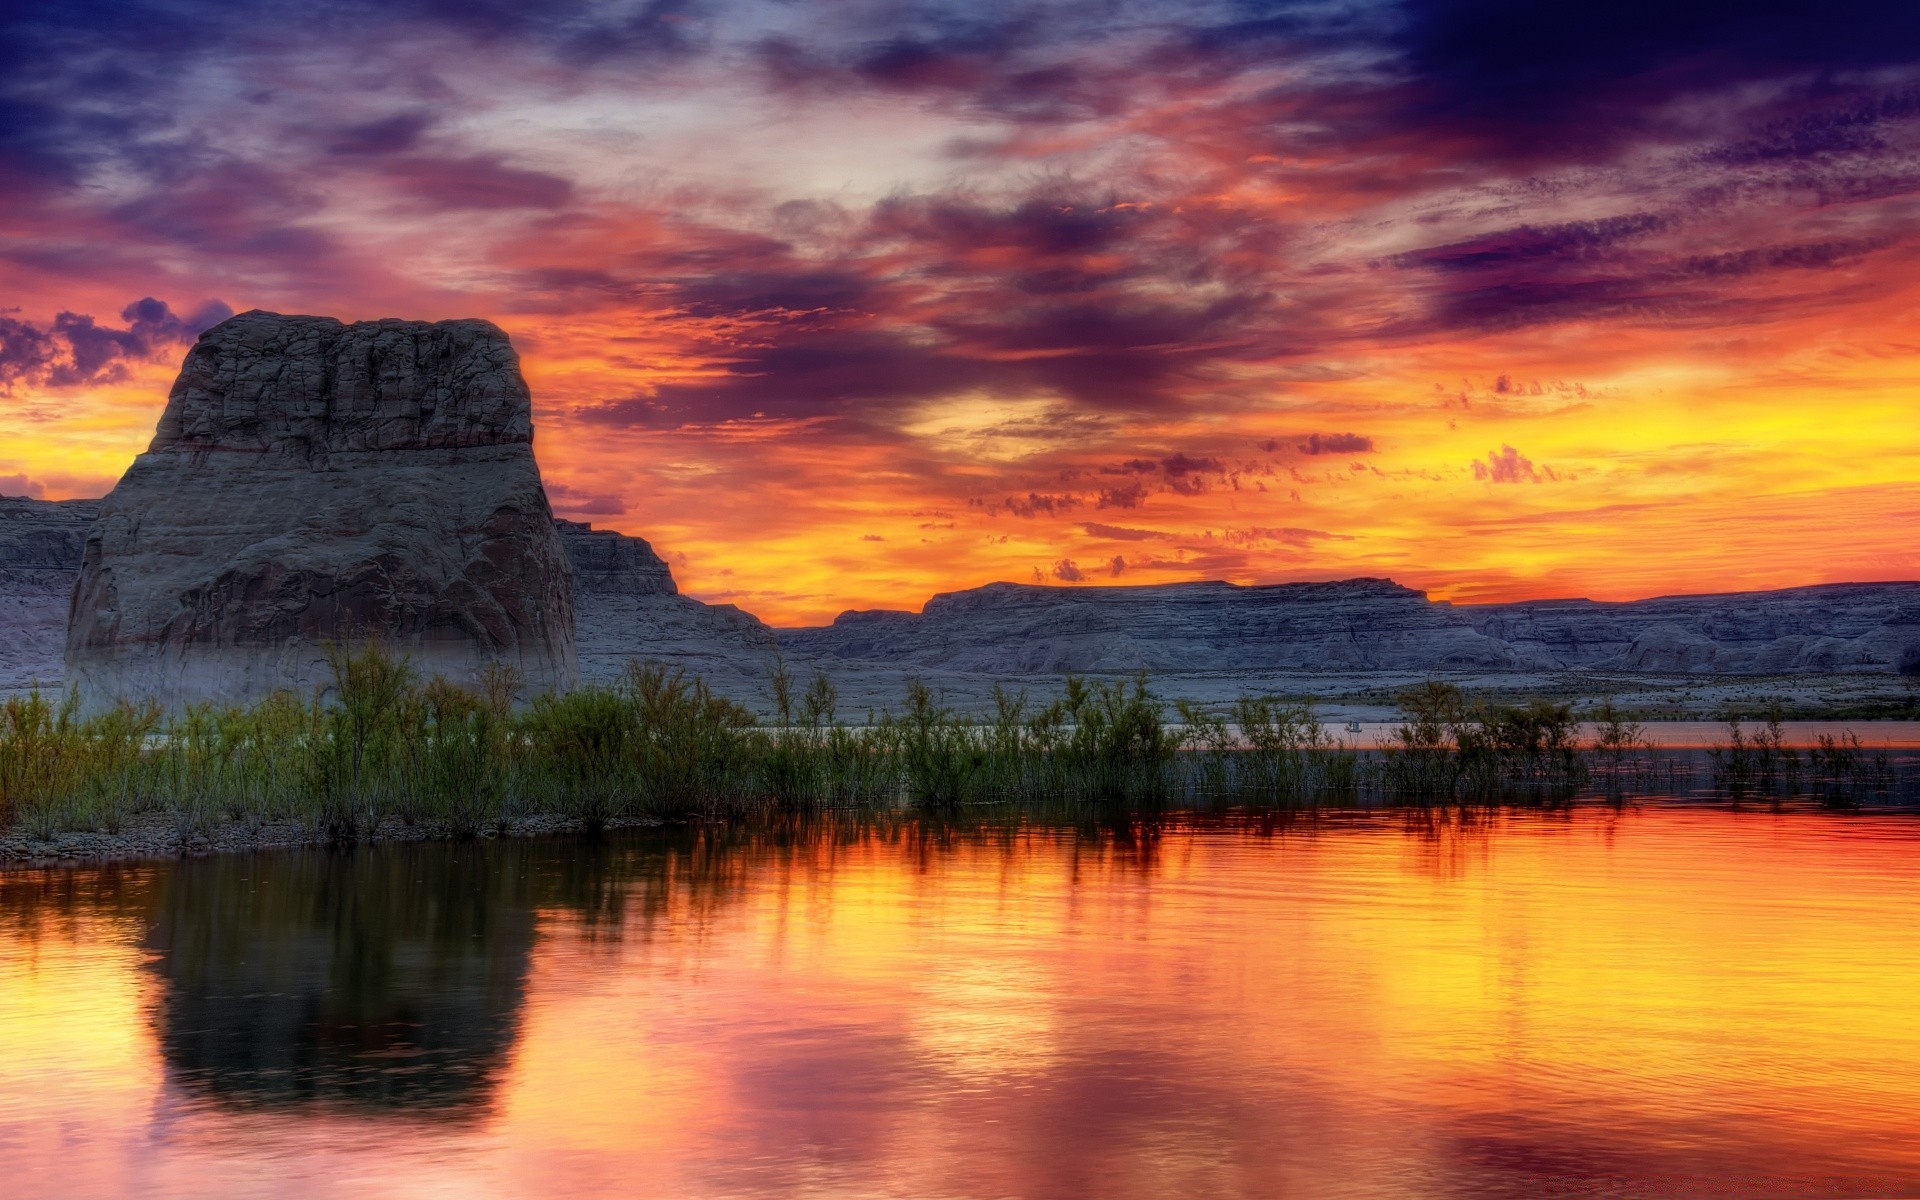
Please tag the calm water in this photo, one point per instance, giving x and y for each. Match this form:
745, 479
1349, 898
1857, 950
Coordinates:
1662, 1001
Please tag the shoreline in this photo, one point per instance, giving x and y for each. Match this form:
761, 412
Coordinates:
1674, 773
158, 835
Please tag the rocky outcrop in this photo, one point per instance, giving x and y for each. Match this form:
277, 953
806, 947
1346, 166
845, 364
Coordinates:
1010, 628
41, 542
626, 604
627, 607
1377, 625
606, 563
313, 482
1829, 627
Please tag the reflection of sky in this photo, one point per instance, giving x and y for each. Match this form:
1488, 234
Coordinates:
847, 302
1648, 1002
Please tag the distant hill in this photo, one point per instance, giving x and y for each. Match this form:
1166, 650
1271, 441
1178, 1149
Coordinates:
1378, 625
628, 606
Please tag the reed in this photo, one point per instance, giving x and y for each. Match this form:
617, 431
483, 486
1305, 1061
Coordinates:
380, 744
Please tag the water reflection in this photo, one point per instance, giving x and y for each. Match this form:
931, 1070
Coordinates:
1640, 1001
386, 977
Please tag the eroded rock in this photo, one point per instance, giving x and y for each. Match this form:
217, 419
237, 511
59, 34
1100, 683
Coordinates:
1366, 625
41, 543
627, 608
314, 482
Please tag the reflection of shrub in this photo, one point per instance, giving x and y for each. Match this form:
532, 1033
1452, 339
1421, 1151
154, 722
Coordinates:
1758, 760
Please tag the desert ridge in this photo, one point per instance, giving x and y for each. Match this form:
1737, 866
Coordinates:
313, 482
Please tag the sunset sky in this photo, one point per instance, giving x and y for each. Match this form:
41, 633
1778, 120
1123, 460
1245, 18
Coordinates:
844, 304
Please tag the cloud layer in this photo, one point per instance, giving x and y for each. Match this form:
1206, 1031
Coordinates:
852, 302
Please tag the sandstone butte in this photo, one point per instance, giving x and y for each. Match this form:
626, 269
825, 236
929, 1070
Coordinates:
315, 482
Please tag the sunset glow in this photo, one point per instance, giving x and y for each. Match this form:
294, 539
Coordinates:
845, 304
1638, 1001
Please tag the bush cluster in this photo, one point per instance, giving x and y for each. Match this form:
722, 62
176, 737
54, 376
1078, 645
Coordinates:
381, 744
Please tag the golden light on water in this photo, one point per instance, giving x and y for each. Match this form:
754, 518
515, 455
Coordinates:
1635, 1002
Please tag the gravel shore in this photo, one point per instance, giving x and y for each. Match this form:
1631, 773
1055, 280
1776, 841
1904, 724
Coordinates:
169, 835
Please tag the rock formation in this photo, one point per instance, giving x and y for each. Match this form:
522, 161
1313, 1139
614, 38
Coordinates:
1828, 627
1012, 628
311, 482
1375, 625
41, 542
626, 606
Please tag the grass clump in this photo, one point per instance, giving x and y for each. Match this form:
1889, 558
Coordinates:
381, 745
1453, 746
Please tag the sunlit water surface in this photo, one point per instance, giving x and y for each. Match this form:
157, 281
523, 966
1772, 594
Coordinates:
1661, 1001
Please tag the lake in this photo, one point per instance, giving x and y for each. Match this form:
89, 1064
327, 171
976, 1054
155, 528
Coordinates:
1658, 999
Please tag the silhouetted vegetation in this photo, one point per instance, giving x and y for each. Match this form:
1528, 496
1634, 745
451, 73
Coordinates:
381, 745
1837, 771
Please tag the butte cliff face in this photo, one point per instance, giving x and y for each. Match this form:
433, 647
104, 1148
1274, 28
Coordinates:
311, 482
41, 543
627, 607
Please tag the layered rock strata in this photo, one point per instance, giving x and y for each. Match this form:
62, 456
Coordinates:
41, 543
1377, 625
313, 482
627, 607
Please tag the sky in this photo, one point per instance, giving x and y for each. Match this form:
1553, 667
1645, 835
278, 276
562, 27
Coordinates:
843, 304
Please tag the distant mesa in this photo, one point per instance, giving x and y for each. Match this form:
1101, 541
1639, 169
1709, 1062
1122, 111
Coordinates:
313, 481
1369, 625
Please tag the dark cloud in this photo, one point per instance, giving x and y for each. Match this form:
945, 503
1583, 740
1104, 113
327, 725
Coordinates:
1120, 533
1180, 465
910, 64
1066, 571
1116, 566
1143, 287
1571, 241
475, 182
1017, 63
1335, 443
1578, 79
1802, 256
927, 308
388, 135
1047, 226
26, 352
1036, 504
828, 372
1851, 127
1520, 303
76, 350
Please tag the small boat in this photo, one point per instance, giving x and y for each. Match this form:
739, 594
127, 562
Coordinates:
1354, 727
